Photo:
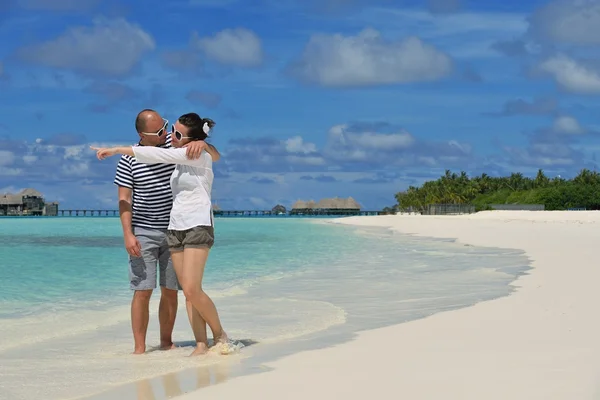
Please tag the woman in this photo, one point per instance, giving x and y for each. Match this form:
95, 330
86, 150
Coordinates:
190, 234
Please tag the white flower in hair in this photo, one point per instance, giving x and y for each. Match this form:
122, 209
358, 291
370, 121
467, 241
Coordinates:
206, 128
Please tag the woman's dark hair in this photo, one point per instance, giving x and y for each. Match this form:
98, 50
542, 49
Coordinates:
195, 124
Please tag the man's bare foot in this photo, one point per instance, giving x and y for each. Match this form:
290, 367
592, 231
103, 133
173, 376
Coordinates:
139, 350
167, 345
201, 349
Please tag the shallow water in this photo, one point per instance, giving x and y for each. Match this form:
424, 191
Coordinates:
280, 286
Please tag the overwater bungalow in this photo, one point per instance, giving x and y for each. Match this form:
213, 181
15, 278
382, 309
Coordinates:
328, 206
26, 202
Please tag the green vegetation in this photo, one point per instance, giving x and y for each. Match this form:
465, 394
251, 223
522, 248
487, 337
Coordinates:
583, 191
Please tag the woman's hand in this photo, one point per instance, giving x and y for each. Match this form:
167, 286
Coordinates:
103, 152
194, 149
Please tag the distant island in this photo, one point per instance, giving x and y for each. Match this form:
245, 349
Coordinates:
484, 192
452, 193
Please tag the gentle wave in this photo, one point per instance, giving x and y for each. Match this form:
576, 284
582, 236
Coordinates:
277, 284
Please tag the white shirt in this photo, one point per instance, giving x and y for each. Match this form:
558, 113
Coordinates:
191, 183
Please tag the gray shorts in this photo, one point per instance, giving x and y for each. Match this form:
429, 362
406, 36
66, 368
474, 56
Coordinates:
197, 237
155, 253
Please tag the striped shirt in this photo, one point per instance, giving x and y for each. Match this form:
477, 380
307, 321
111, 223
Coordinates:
152, 198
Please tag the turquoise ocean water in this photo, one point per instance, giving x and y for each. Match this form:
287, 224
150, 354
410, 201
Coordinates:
284, 284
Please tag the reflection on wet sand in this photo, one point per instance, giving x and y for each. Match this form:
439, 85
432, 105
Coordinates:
176, 384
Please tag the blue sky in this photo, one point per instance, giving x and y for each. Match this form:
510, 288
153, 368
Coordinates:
312, 98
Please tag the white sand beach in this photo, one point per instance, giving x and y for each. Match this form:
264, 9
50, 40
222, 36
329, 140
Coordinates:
541, 342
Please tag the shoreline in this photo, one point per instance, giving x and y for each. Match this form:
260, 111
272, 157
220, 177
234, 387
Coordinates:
400, 259
538, 342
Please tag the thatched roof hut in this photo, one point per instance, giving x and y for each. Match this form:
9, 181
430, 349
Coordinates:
327, 203
17, 199
11, 199
335, 203
351, 204
304, 205
30, 193
299, 205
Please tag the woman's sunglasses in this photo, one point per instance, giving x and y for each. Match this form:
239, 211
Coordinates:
178, 135
160, 132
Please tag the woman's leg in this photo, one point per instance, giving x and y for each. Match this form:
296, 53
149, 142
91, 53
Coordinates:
196, 321
198, 325
190, 278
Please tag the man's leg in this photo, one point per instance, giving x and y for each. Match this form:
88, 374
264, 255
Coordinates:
142, 274
140, 305
167, 310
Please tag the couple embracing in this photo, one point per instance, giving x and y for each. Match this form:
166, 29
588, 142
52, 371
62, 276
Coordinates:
164, 185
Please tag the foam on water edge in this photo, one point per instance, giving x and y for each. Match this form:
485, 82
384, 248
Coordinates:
388, 278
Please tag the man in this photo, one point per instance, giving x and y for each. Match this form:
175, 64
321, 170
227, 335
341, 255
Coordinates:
145, 202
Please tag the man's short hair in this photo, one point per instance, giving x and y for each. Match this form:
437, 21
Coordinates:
140, 120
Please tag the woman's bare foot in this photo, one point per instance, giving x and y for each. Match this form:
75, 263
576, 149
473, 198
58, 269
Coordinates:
201, 349
222, 339
222, 344
139, 350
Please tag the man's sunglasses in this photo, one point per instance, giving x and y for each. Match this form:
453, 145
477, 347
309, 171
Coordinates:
160, 132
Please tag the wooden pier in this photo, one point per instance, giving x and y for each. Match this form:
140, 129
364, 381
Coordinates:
227, 213
88, 213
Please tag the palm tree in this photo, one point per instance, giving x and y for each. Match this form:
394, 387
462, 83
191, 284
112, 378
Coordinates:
541, 180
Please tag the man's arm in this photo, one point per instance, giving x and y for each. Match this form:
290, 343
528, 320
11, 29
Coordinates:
124, 181
125, 213
214, 153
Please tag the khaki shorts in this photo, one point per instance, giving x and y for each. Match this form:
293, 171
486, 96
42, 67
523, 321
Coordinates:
155, 259
198, 237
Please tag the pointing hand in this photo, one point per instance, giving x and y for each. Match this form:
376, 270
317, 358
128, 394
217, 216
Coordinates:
103, 152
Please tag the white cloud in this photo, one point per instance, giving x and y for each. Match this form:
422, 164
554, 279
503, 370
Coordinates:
568, 125
29, 159
370, 140
109, 47
240, 46
456, 24
360, 147
461, 34
368, 59
297, 144
542, 155
571, 75
11, 172
6, 157
42, 160
575, 22
308, 161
